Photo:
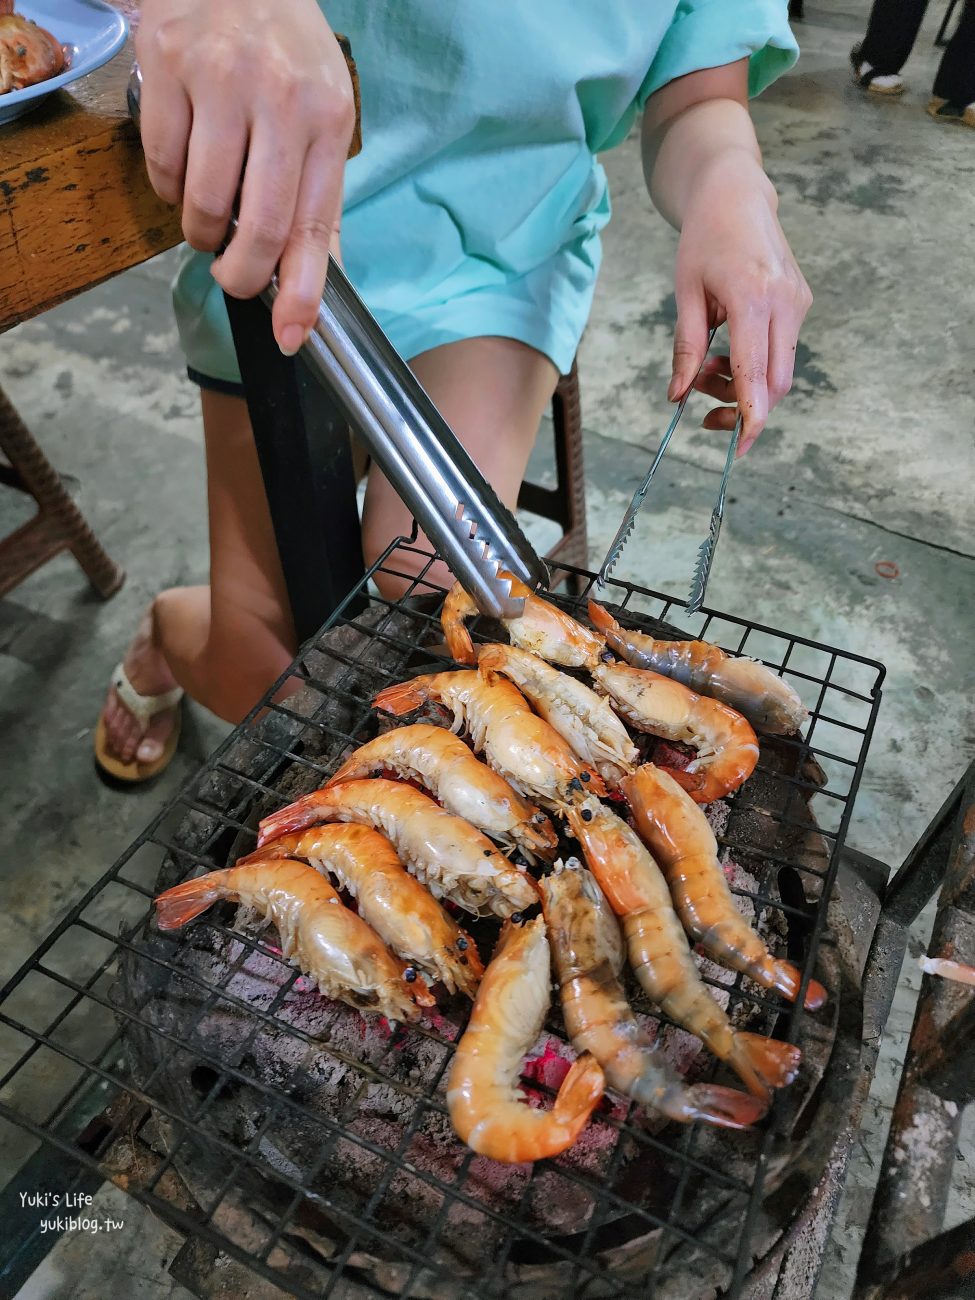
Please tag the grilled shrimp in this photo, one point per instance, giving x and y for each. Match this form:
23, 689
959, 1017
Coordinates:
574, 710
765, 698
515, 742
543, 628
727, 748
659, 952
444, 852
464, 786
677, 833
404, 914
585, 940
336, 948
482, 1090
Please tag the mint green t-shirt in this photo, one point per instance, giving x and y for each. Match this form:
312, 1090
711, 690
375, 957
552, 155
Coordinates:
476, 203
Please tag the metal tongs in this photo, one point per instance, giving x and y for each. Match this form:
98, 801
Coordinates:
705, 554
411, 442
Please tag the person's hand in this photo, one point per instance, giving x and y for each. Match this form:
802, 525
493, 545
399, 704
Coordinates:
232, 87
734, 264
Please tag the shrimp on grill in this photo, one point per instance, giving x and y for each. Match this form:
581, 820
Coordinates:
404, 914
727, 748
588, 953
465, 786
766, 699
677, 833
514, 741
482, 1091
543, 628
336, 948
660, 954
445, 853
574, 710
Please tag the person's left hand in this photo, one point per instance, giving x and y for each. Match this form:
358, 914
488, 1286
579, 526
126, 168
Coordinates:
734, 263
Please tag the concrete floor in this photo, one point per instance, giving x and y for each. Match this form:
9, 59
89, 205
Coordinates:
870, 459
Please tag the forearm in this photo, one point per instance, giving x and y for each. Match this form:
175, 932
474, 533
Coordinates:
693, 128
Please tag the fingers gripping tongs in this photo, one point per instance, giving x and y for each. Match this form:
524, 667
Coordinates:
705, 554
404, 433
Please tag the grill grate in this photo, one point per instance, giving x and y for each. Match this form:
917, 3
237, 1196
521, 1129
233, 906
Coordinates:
108, 1014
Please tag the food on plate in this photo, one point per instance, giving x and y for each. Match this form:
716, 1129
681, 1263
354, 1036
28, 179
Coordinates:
318, 934
588, 955
501, 725
660, 954
727, 747
765, 698
580, 716
678, 835
485, 1107
543, 628
464, 785
405, 915
28, 54
444, 852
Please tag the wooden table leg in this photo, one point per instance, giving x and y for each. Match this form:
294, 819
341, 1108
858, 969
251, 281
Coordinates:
58, 526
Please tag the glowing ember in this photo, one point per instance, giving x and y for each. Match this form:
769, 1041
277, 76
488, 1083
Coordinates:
549, 1069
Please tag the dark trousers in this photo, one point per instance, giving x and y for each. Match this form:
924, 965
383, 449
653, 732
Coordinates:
892, 31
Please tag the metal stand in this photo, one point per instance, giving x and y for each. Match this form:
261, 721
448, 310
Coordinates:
306, 460
904, 1253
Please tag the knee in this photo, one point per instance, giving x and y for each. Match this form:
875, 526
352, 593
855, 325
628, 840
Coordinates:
226, 659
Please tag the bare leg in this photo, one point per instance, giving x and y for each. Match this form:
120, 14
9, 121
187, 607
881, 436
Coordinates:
227, 642
493, 393
224, 643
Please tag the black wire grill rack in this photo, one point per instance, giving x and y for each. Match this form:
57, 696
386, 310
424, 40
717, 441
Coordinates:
311, 1146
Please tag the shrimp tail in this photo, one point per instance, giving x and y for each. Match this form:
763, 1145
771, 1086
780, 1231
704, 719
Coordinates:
579, 1094
179, 905
306, 811
788, 979
722, 1107
763, 1063
459, 643
401, 697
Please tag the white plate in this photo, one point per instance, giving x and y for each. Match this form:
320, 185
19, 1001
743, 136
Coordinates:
91, 31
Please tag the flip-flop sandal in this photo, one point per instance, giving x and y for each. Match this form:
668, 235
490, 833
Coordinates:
868, 78
945, 110
143, 708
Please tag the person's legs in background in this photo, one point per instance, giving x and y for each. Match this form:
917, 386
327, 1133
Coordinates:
954, 86
225, 643
886, 47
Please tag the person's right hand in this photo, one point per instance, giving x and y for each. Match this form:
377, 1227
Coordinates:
232, 87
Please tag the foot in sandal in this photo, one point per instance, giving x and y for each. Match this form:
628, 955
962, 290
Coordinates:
867, 77
945, 110
139, 727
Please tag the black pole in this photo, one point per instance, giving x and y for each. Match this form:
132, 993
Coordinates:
306, 460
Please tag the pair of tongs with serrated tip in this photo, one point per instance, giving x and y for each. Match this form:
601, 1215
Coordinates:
705, 554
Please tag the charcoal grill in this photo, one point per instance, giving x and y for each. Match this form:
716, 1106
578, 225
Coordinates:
279, 1130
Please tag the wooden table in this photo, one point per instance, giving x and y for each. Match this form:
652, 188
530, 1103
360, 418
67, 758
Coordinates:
76, 208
